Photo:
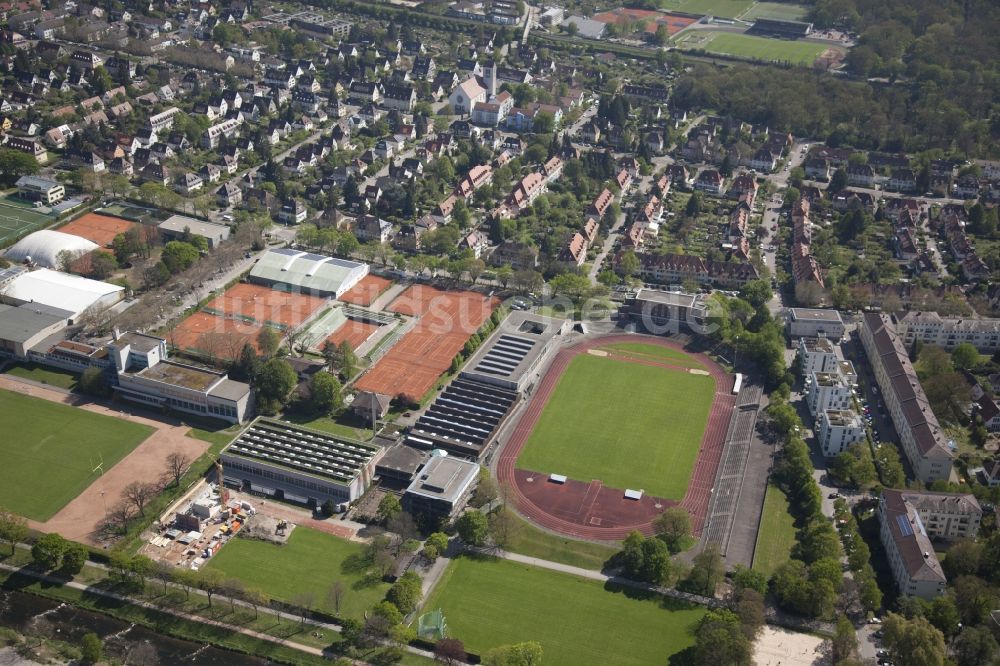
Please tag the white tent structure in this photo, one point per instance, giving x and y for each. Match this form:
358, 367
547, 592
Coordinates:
71, 293
43, 248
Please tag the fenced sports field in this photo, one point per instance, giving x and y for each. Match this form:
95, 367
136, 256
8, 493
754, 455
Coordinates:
19, 218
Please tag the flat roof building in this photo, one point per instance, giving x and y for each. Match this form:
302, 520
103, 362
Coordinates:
512, 353
815, 323
299, 464
666, 312
71, 293
23, 327
294, 270
816, 355
173, 228
145, 375
442, 487
931, 328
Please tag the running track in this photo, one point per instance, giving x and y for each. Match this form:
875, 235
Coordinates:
699, 490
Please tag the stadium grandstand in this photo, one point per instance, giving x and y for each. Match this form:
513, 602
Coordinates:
781, 28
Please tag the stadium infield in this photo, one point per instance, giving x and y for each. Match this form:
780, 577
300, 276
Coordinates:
753, 47
629, 424
722, 8
489, 602
50, 452
100, 229
588, 506
447, 319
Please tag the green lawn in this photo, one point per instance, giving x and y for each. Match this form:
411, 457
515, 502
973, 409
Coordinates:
776, 535
49, 451
487, 603
775, 10
627, 424
338, 427
723, 8
527, 539
671, 356
309, 563
749, 46
41, 374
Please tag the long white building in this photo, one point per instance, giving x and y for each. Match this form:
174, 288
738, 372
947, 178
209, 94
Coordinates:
920, 434
931, 328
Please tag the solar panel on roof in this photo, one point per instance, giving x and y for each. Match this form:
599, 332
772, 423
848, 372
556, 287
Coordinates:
904, 526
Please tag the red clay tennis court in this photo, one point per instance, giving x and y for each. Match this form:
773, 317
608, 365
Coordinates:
353, 332
447, 320
264, 304
654, 19
366, 291
100, 229
214, 336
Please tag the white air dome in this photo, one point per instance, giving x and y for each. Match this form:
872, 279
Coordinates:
43, 247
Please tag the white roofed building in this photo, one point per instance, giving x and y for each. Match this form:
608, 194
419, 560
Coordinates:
293, 270
71, 293
42, 248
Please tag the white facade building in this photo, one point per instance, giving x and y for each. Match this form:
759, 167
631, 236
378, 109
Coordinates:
838, 429
817, 355
828, 390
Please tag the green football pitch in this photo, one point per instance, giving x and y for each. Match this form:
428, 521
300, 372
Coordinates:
750, 46
309, 563
49, 452
628, 424
492, 602
723, 8
18, 218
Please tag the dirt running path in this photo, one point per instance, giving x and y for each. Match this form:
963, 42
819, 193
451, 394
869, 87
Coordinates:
80, 520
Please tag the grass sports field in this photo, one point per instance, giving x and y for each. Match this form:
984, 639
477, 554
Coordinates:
488, 603
749, 46
527, 539
18, 218
723, 8
49, 452
627, 424
309, 563
778, 528
656, 352
775, 10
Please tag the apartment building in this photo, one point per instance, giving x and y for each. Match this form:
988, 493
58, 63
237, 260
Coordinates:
923, 441
816, 355
837, 429
828, 390
931, 328
909, 521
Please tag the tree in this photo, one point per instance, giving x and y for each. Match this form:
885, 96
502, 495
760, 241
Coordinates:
120, 514
964, 559
14, 164
438, 540
209, 581
335, 595
486, 489
719, 639
275, 381
745, 578
388, 507
73, 559
178, 464
325, 393
473, 527
256, 598
965, 356
234, 589
914, 642
845, 640
838, 181
138, 493
543, 123
103, 264
268, 341
707, 571
178, 256
693, 206
91, 648
13, 528
503, 526
94, 382
450, 651
185, 579
405, 593
750, 608
303, 601
673, 526
629, 265
48, 551
518, 654
975, 646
